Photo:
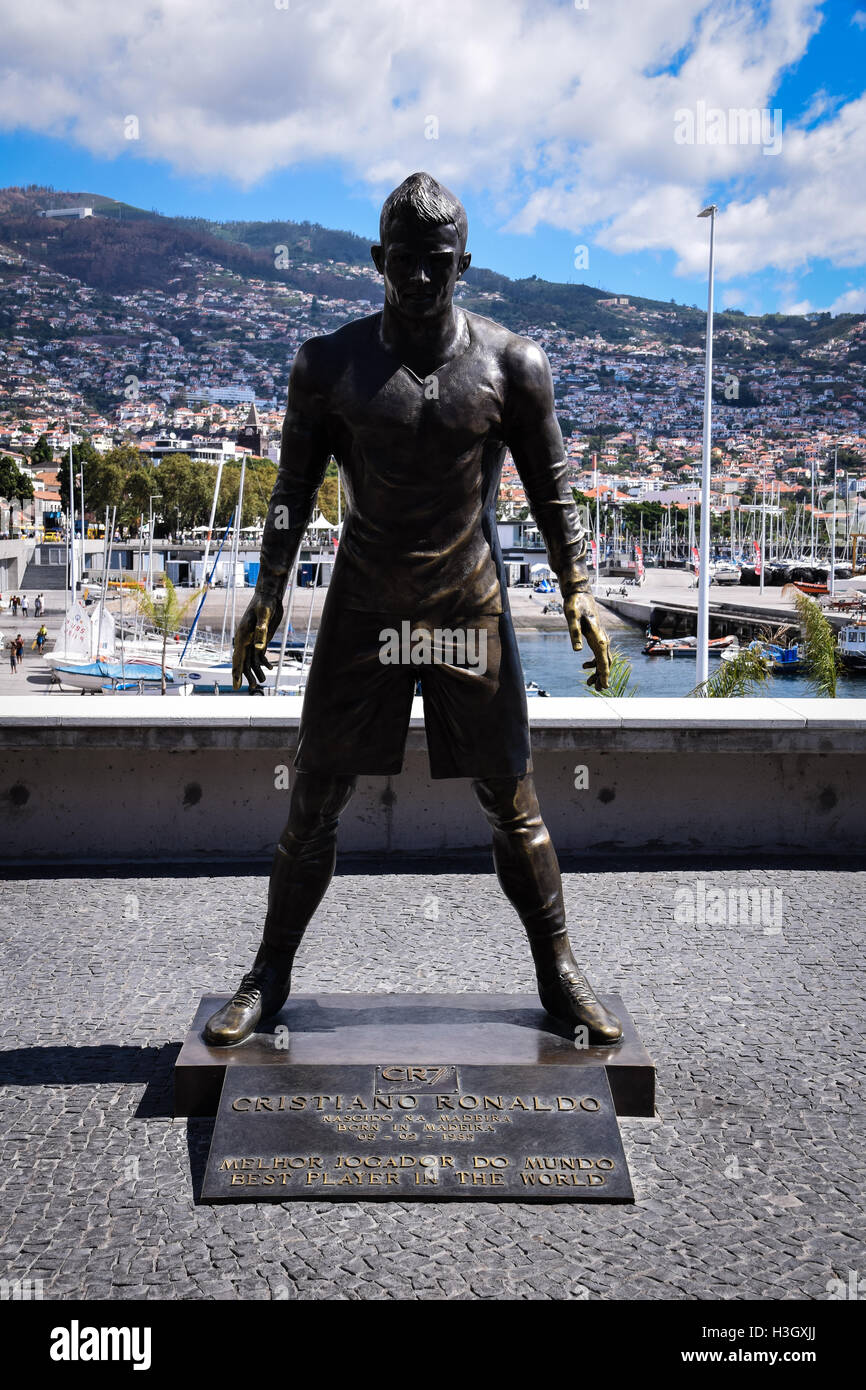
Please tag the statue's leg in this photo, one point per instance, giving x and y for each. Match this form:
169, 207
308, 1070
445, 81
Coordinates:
302, 869
528, 871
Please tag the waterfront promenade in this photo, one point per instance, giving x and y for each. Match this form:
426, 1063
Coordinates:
671, 598
748, 1183
34, 677
662, 589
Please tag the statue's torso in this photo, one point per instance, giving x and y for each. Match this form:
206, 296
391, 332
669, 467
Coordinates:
420, 460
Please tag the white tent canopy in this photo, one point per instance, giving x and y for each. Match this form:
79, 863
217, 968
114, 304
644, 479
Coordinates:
321, 523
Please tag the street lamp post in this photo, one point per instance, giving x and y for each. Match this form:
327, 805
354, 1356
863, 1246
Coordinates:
158, 496
703, 656
597, 518
81, 481
832, 584
763, 527
71, 519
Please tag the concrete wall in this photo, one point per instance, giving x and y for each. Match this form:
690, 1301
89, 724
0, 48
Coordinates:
14, 558
146, 778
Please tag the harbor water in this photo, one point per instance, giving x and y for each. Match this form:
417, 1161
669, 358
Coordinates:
549, 659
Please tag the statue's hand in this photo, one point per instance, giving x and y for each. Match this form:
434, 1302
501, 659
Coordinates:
583, 620
255, 630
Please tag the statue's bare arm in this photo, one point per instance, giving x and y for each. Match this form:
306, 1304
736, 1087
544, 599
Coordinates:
304, 454
535, 440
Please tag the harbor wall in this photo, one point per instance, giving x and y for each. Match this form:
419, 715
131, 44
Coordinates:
14, 558
147, 779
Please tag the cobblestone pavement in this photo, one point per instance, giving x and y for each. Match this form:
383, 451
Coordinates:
748, 1183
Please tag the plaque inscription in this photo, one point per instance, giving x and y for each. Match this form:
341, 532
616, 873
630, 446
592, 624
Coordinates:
414, 1131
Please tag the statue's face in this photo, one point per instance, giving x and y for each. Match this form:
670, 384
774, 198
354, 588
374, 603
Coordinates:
420, 266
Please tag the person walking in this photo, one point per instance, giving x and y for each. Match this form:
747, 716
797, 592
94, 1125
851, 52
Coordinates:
13, 656
38, 606
41, 638
19, 648
15, 601
24, 605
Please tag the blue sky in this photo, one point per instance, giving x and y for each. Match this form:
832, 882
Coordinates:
554, 121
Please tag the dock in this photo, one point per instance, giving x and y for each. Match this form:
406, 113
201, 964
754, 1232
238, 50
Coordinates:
667, 604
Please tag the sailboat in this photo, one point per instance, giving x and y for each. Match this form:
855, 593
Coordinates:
85, 659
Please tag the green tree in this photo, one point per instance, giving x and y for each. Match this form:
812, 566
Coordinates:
261, 477
186, 487
743, 675
140, 483
41, 453
13, 483
327, 499
820, 655
632, 512
165, 614
619, 681
120, 478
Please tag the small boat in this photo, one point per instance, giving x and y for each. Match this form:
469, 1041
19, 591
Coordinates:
723, 572
685, 646
851, 646
784, 661
533, 689
734, 650
141, 687
781, 661
216, 677
108, 675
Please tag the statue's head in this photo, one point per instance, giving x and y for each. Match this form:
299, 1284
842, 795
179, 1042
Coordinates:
422, 240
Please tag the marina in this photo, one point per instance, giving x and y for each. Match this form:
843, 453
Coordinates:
548, 659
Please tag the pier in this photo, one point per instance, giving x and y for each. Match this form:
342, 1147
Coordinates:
667, 605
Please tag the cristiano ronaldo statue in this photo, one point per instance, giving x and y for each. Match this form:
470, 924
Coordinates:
418, 405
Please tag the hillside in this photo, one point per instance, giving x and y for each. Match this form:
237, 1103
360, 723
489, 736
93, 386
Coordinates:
123, 249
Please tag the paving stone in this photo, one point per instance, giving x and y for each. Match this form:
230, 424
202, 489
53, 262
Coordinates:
96, 1179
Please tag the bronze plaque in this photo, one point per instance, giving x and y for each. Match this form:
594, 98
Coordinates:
416, 1131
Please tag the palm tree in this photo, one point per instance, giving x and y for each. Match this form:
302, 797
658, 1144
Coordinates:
165, 614
819, 641
740, 676
619, 680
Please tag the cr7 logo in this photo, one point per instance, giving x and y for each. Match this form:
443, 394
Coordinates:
427, 1076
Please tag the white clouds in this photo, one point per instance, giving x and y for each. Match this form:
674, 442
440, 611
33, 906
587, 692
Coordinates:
563, 116
850, 302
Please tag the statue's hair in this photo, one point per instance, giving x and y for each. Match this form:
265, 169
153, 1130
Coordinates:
421, 199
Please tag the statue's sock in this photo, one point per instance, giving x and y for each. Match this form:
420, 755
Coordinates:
551, 951
300, 874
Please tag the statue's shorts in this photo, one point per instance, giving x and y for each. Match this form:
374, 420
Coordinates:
358, 699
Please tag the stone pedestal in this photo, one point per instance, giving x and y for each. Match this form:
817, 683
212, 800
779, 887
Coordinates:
489, 1030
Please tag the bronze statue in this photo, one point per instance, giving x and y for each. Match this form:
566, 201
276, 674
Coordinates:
418, 405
